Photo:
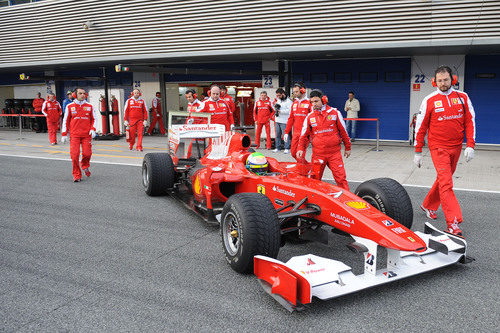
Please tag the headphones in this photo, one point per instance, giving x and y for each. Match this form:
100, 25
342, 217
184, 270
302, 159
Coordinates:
74, 93
132, 92
324, 98
301, 86
48, 97
454, 78
192, 92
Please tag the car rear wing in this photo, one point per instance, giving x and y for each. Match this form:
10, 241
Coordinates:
295, 282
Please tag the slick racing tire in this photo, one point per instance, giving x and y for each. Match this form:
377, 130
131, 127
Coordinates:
249, 227
388, 196
158, 173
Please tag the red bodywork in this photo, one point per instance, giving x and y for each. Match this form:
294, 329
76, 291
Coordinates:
225, 175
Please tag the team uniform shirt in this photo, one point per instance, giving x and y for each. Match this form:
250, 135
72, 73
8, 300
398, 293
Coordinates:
79, 119
156, 104
52, 110
135, 110
446, 116
192, 108
37, 104
263, 111
326, 129
300, 109
229, 101
220, 111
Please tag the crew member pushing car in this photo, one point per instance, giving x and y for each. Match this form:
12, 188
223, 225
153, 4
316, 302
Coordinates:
445, 114
80, 119
325, 127
136, 118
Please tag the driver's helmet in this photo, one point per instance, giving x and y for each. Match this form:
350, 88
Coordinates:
257, 163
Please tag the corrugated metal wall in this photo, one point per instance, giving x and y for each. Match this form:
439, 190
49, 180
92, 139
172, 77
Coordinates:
50, 32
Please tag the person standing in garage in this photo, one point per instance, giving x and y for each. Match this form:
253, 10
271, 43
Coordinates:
157, 115
67, 100
282, 105
80, 119
325, 128
445, 115
37, 108
300, 109
221, 112
263, 111
136, 118
52, 111
352, 108
229, 101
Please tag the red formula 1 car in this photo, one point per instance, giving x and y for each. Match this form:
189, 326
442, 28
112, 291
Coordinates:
258, 213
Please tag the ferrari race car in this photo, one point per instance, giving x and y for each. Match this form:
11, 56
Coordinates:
205, 170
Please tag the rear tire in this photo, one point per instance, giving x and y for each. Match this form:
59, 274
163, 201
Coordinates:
388, 196
158, 173
249, 227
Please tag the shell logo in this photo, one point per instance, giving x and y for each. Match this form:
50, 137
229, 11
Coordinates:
197, 185
357, 204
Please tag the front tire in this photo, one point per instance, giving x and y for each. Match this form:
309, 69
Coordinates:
158, 173
388, 196
249, 227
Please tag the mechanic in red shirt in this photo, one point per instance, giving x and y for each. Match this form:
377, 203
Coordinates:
325, 127
300, 109
193, 105
37, 108
115, 114
221, 112
229, 100
157, 115
52, 111
136, 115
80, 119
262, 112
444, 116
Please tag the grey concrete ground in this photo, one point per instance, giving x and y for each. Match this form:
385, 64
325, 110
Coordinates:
102, 256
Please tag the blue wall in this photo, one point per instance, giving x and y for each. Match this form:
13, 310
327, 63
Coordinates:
483, 93
388, 101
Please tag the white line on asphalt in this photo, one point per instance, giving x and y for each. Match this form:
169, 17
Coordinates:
69, 160
328, 179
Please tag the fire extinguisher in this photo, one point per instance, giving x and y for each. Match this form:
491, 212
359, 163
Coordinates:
127, 133
104, 115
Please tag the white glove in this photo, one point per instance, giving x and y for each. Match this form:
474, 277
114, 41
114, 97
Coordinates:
285, 137
92, 133
64, 139
232, 126
125, 123
145, 123
417, 159
190, 121
469, 154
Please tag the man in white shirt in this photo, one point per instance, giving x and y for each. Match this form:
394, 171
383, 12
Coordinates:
352, 108
283, 105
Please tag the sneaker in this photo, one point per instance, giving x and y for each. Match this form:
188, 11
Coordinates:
430, 213
139, 149
276, 150
52, 143
286, 151
87, 172
454, 229
131, 147
76, 180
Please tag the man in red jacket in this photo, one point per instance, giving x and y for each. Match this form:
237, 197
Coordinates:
445, 114
193, 105
37, 108
115, 114
52, 111
262, 112
80, 119
325, 127
157, 115
221, 112
229, 101
300, 109
136, 115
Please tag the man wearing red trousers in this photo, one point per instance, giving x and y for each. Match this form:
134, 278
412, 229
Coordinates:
136, 115
157, 116
115, 114
52, 111
445, 114
80, 120
325, 128
300, 109
262, 112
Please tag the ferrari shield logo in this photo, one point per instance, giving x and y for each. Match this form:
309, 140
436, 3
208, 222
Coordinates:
261, 189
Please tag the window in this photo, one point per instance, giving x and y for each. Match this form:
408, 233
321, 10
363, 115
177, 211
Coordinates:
342, 77
368, 76
394, 76
319, 78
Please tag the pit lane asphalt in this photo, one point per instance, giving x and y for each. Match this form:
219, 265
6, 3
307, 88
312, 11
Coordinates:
100, 255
